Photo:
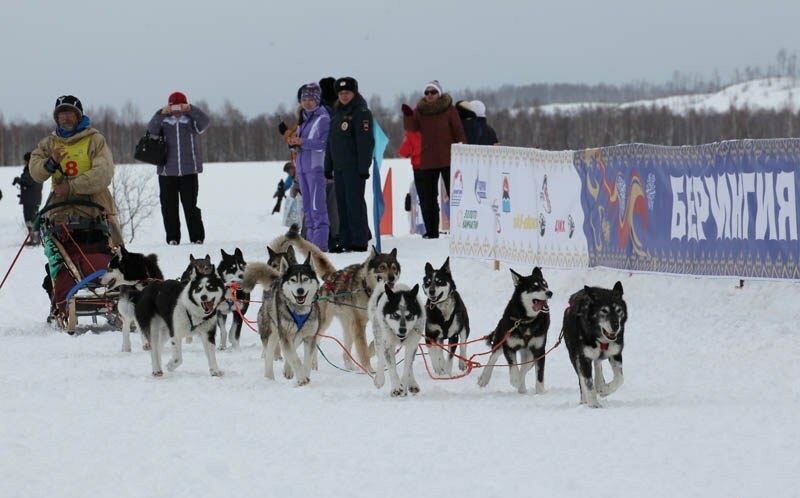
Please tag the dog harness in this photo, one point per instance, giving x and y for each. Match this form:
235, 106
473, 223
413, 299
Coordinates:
192, 326
299, 319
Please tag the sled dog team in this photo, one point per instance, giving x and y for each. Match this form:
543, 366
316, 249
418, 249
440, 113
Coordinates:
302, 296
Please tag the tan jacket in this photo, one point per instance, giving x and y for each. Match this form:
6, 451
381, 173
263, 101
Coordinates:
91, 185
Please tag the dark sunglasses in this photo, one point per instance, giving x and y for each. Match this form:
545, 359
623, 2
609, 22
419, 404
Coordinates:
431, 92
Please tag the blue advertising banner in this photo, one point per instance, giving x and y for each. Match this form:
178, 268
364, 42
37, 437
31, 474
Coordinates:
724, 209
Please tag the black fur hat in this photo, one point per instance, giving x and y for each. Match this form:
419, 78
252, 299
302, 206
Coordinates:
346, 83
68, 103
328, 92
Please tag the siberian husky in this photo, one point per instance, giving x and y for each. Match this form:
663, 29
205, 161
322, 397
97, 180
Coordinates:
173, 310
130, 272
522, 328
594, 330
446, 318
397, 322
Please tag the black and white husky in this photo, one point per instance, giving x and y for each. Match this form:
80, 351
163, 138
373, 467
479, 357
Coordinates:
291, 316
446, 318
594, 330
524, 322
173, 310
130, 272
231, 270
397, 322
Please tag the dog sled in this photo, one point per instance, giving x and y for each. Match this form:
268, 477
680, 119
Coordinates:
75, 235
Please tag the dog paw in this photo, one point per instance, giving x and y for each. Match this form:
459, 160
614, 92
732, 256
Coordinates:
399, 392
413, 389
462, 365
269, 374
188, 339
540, 388
158, 373
522, 389
172, 365
146, 346
603, 389
287, 372
126, 348
378, 381
235, 344
303, 381
483, 381
215, 372
222, 347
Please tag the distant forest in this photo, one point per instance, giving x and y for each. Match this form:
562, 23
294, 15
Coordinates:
513, 112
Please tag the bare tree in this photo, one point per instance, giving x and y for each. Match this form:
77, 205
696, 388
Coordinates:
135, 196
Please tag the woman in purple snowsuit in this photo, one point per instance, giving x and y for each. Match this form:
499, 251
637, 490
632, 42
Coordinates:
312, 136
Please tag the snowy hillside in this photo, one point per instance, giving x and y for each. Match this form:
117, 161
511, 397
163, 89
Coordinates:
708, 408
769, 93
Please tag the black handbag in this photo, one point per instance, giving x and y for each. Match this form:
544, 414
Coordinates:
151, 149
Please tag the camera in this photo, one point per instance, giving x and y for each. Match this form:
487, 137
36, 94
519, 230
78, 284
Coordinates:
176, 107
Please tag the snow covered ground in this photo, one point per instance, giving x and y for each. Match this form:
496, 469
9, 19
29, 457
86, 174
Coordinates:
768, 94
709, 406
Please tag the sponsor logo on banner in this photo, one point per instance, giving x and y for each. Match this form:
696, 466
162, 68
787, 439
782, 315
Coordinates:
571, 225
525, 222
544, 197
480, 188
457, 189
560, 226
498, 227
468, 220
506, 195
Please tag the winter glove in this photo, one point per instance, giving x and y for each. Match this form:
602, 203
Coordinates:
364, 176
282, 128
16, 181
329, 175
407, 110
50, 166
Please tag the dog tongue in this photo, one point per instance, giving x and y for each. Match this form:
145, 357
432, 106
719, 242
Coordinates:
208, 306
538, 304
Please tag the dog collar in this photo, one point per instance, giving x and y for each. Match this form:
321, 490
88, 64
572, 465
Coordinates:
603, 346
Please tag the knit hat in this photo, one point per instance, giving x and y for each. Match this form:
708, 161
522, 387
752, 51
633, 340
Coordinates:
177, 98
68, 103
311, 91
465, 110
346, 83
435, 85
479, 108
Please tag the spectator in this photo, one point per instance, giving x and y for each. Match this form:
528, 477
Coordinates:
411, 147
30, 196
311, 140
79, 163
469, 121
181, 123
293, 213
486, 134
348, 158
438, 122
328, 99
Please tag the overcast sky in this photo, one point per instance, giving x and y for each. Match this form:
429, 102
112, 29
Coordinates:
256, 54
